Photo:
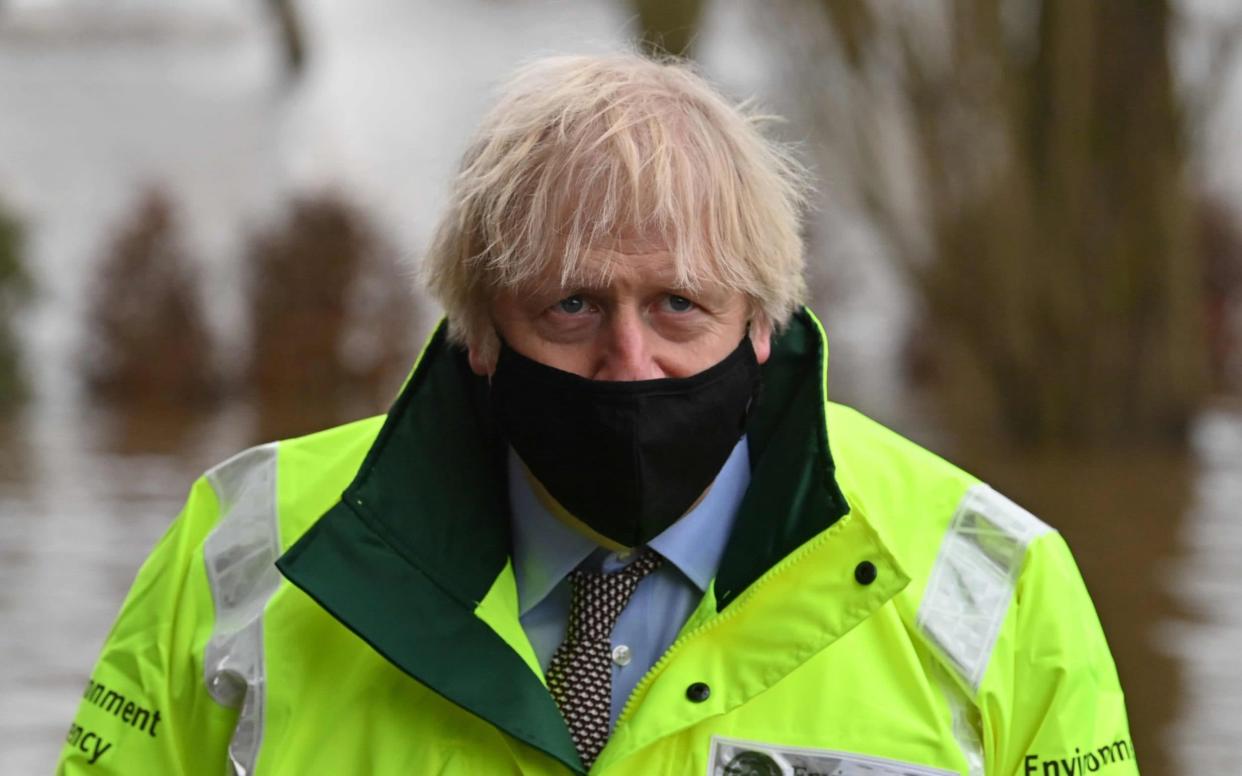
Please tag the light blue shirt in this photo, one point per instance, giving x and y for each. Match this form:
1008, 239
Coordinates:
545, 550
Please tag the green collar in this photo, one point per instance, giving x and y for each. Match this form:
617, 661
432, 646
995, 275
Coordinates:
422, 532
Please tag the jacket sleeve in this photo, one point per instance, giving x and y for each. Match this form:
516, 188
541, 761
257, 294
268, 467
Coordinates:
145, 707
1051, 702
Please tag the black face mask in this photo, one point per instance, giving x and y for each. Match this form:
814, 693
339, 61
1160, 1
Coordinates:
625, 458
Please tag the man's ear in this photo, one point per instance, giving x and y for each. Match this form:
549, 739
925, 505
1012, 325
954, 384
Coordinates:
482, 354
761, 337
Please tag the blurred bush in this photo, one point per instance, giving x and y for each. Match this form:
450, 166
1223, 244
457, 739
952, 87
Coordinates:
332, 318
148, 345
15, 289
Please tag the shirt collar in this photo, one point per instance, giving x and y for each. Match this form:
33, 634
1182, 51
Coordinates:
545, 550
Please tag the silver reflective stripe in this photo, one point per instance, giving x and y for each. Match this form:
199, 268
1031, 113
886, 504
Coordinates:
973, 579
240, 555
967, 723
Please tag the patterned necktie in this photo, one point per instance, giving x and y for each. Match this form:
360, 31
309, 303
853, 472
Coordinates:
580, 674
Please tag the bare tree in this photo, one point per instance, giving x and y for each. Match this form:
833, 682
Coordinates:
1026, 163
668, 26
291, 35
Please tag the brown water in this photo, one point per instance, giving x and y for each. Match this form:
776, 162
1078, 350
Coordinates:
82, 499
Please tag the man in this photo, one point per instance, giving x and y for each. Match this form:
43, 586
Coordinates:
611, 523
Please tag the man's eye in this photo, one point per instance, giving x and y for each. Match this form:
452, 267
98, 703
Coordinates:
571, 305
679, 304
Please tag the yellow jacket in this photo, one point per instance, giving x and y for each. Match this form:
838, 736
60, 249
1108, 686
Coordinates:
877, 611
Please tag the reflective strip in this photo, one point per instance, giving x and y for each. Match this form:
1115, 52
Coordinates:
973, 579
967, 723
240, 555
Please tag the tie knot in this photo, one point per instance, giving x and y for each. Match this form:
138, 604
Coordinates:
598, 598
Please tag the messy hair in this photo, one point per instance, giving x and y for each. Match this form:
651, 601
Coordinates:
580, 150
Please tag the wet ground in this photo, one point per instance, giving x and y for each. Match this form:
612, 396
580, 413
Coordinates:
83, 498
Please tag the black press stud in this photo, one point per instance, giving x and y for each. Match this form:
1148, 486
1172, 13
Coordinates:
864, 573
698, 692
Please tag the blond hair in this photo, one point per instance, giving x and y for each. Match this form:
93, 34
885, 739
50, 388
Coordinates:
580, 150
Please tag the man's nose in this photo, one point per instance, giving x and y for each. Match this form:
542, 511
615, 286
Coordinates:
626, 353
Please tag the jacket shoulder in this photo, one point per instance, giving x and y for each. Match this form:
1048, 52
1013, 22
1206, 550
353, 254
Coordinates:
907, 493
314, 470
995, 596
963, 544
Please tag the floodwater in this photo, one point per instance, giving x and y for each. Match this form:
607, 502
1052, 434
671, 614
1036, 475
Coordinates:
80, 506
83, 498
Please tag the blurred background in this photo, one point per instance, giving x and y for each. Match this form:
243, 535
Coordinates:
1026, 247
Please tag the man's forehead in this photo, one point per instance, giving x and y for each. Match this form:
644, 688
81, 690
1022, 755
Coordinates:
633, 263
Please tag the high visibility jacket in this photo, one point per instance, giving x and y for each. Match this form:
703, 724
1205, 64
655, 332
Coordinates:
345, 603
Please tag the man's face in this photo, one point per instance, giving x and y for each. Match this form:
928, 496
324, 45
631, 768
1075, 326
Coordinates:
639, 326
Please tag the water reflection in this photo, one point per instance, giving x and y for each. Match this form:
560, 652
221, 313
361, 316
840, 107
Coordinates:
83, 499
1206, 578
82, 504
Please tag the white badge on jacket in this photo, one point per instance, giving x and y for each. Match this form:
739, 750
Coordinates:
750, 758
